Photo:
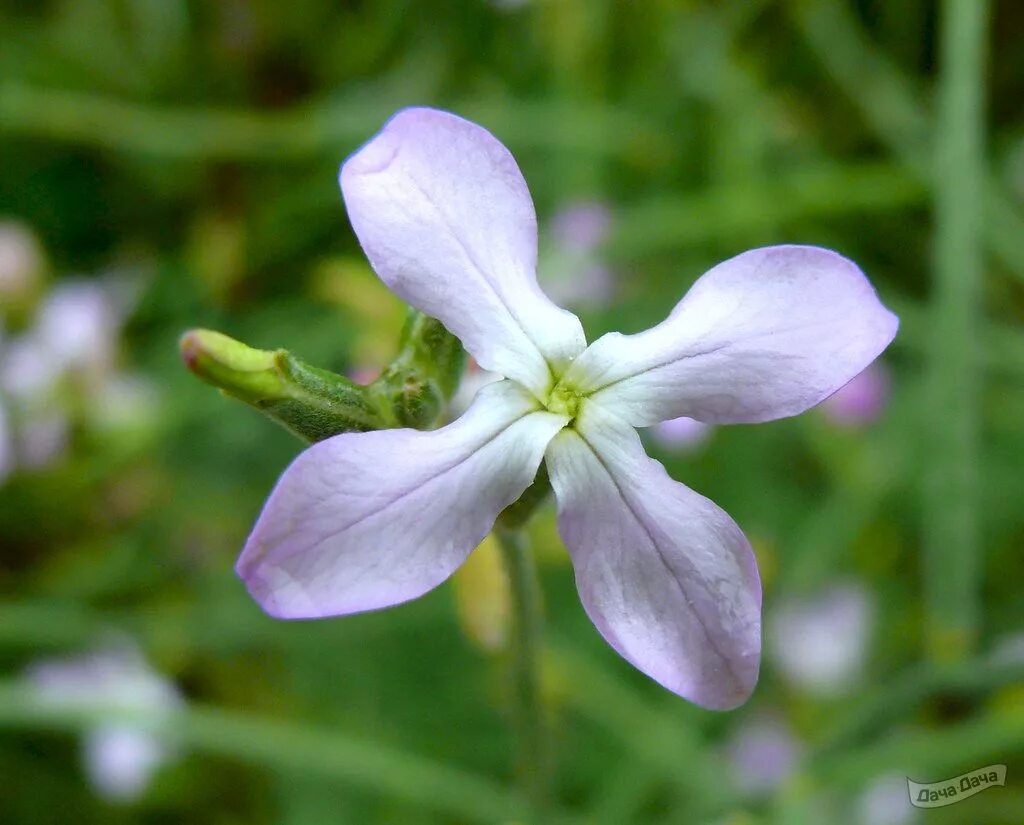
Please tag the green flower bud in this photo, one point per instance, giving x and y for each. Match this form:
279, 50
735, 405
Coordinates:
409, 395
312, 403
429, 348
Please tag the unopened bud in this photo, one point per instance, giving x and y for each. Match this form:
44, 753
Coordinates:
312, 403
482, 600
239, 370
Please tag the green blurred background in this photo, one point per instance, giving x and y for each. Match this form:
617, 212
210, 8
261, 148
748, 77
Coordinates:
170, 164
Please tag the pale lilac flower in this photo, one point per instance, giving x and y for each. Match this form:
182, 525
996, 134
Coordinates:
582, 226
886, 802
861, 401
820, 643
119, 757
79, 323
682, 433
763, 754
363, 374
362, 521
571, 270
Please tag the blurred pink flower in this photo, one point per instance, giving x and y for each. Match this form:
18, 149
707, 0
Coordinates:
571, 269
863, 400
582, 226
362, 521
682, 434
763, 754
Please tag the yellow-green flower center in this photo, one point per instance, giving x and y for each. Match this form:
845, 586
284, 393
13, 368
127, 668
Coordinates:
565, 401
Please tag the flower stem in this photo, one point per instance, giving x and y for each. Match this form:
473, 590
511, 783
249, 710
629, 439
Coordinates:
951, 531
534, 759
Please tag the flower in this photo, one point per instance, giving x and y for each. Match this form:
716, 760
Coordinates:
71, 345
682, 433
572, 271
763, 754
363, 521
886, 802
861, 401
119, 757
820, 642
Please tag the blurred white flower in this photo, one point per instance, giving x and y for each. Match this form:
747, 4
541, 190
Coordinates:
886, 802
682, 434
571, 270
763, 754
1009, 649
119, 757
29, 370
66, 362
820, 643
79, 323
21, 262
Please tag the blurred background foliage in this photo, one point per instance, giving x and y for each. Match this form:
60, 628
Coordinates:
169, 164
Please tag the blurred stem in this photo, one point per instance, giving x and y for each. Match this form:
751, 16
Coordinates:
534, 760
517, 514
291, 748
313, 131
952, 564
892, 107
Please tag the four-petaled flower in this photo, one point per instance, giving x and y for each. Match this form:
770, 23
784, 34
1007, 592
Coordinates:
366, 520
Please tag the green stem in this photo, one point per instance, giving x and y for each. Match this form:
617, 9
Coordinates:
534, 760
289, 747
951, 546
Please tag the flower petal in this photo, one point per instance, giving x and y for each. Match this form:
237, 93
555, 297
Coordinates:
667, 577
445, 217
366, 520
764, 335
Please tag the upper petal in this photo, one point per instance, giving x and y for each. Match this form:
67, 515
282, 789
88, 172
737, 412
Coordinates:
665, 575
764, 335
444, 215
366, 520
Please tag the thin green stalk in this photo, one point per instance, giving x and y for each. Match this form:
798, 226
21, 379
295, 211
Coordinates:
899, 114
287, 747
534, 761
951, 546
317, 130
